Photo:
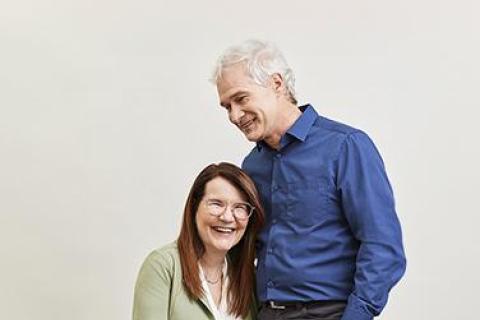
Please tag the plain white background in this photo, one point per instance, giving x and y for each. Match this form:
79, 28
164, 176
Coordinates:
107, 115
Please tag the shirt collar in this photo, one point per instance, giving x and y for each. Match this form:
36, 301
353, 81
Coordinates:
300, 128
220, 312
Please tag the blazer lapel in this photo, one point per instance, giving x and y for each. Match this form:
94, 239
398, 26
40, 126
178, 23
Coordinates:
203, 300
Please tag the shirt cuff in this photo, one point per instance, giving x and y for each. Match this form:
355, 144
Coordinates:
356, 310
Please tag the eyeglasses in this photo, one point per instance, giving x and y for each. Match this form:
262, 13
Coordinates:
240, 210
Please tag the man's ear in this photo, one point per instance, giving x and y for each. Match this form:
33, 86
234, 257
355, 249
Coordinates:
277, 83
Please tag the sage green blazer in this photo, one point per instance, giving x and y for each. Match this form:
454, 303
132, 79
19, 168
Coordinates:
159, 292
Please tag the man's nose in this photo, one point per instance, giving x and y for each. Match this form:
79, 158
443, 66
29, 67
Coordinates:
236, 113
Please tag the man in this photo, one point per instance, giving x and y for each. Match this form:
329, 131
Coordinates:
332, 246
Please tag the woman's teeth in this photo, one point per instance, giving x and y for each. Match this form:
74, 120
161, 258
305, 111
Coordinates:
223, 229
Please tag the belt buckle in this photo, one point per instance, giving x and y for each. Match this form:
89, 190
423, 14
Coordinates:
273, 305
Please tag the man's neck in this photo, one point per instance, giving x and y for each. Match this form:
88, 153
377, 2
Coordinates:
290, 113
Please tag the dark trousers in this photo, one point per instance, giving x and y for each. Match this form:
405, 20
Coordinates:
320, 310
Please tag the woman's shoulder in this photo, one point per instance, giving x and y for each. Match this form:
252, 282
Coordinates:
164, 257
170, 249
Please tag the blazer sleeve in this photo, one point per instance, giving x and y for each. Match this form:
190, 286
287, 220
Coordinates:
153, 288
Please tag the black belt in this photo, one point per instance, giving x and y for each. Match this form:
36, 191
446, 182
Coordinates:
281, 305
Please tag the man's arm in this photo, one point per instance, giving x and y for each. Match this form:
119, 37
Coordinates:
368, 204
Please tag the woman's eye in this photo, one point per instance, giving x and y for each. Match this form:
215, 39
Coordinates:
241, 206
216, 203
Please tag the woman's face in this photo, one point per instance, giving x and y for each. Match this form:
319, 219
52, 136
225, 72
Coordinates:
220, 233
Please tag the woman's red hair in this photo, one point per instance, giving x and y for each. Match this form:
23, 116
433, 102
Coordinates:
242, 255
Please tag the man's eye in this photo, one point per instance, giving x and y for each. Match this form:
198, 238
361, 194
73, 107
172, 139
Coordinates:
242, 99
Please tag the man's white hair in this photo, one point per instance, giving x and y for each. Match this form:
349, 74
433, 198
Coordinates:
261, 59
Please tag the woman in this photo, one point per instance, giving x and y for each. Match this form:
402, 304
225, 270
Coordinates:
208, 272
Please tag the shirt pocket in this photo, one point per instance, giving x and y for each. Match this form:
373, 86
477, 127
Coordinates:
307, 200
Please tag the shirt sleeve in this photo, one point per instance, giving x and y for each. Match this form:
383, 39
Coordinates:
368, 204
152, 290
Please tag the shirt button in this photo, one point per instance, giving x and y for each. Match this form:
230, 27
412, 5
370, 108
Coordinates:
270, 284
274, 221
278, 155
270, 250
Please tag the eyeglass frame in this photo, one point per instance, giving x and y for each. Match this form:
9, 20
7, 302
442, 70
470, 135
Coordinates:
229, 204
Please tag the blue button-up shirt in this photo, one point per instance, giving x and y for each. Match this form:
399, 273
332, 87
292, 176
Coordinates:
331, 231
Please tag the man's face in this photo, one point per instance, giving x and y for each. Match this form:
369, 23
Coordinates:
252, 108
